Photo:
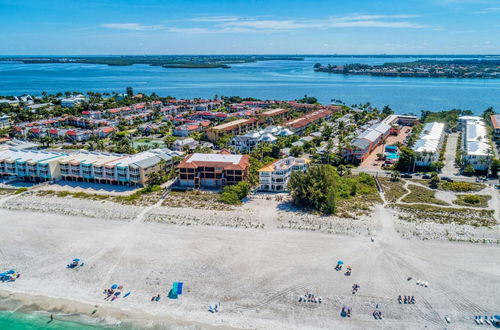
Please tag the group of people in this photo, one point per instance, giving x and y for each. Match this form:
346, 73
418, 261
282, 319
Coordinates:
74, 264
377, 315
346, 311
114, 292
9, 276
309, 297
406, 299
156, 298
214, 309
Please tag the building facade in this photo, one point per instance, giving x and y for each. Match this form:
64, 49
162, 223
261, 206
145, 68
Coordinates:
274, 177
212, 170
476, 149
235, 127
30, 165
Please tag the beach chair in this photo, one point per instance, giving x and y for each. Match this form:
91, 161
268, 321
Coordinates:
418, 282
426, 284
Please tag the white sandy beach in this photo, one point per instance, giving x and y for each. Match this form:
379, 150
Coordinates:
256, 273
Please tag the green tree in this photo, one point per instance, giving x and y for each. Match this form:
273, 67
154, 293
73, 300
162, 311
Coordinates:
495, 167
395, 175
406, 159
387, 111
469, 170
315, 188
434, 182
436, 166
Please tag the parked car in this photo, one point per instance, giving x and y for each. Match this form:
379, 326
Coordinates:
426, 176
406, 176
445, 178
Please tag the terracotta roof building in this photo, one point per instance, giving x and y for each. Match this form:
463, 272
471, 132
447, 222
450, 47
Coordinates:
495, 122
301, 123
212, 170
239, 126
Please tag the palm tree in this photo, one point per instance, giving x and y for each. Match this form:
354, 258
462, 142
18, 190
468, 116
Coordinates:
395, 175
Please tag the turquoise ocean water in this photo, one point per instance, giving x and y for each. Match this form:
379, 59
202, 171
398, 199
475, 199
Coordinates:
285, 80
37, 321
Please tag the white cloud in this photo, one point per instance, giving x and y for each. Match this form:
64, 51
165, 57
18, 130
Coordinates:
131, 26
382, 21
236, 24
214, 19
488, 10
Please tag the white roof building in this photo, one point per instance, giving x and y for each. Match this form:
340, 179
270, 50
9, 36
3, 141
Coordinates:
475, 143
428, 145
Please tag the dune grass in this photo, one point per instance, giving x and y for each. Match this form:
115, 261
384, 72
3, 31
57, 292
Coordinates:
421, 194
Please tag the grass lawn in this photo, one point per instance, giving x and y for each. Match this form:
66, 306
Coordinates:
420, 194
472, 200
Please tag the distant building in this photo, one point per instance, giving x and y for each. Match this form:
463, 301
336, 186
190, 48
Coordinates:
235, 127
274, 177
300, 124
366, 142
212, 170
495, 122
188, 143
273, 114
70, 102
427, 147
4, 121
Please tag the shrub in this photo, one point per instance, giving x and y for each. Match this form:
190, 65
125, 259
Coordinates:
235, 193
21, 190
461, 186
472, 199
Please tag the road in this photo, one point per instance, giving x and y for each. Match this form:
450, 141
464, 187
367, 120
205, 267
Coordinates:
449, 168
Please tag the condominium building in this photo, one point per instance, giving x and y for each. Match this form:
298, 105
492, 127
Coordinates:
495, 122
273, 115
30, 165
427, 147
301, 123
235, 127
274, 177
212, 170
476, 149
114, 168
4, 121
366, 142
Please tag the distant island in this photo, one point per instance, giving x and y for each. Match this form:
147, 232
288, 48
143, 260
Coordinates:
166, 61
458, 68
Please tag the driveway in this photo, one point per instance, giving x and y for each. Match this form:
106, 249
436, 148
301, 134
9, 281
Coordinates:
449, 168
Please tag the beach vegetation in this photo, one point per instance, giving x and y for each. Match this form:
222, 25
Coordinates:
419, 194
472, 200
234, 194
322, 189
420, 213
459, 186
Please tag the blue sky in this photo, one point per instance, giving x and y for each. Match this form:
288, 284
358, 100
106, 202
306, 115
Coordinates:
249, 27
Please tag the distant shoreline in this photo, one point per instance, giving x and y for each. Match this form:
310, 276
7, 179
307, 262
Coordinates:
184, 62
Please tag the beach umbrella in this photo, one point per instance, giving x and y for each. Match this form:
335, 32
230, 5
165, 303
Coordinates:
12, 271
340, 262
76, 260
114, 286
